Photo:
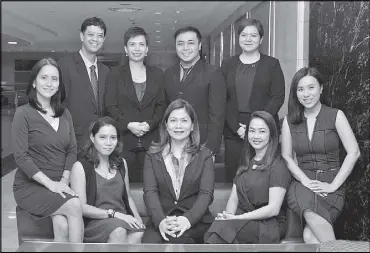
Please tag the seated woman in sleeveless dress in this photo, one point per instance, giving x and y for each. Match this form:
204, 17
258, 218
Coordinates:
178, 180
44, 149
101, 180
311, 136
253, 212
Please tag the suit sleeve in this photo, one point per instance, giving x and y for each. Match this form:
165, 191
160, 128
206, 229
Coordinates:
111, 102
151, 197
71, 149
160, 104
216, 114
19, 134
205, 195
277, 90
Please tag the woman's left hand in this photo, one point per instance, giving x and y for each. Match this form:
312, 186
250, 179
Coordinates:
321, 187
226, 216
182, 224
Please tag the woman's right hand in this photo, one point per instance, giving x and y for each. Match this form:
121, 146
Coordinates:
308, 183
61, 188
166, 225
129, 219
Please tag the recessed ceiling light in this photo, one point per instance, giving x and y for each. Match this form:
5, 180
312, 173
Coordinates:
157, 31
173, 28
52, 51
159, 41
125, 9
157, 23
158, 37
158, 13
175, 21
177, 12
12, 42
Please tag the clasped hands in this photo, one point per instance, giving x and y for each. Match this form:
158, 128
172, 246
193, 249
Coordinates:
320, 188
241, 130
174, 226
138, 128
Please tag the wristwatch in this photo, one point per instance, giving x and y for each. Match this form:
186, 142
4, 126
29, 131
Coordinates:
110, 213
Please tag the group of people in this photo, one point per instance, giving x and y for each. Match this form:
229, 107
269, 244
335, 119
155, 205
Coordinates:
87, 132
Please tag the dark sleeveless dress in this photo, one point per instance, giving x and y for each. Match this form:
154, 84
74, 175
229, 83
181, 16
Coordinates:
252, 187
319, 160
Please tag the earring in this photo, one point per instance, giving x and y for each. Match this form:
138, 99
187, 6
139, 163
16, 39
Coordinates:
126, 54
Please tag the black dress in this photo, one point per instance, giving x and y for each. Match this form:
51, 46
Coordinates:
252, 187
38, 147
319, 160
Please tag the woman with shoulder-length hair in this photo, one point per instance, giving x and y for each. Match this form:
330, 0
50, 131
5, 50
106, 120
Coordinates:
253, 212
255, 82
178, 180
44, 148
100, 177
311, 136
135, 98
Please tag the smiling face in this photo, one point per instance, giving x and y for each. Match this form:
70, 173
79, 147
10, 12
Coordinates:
308, 91
136, 48
249, 39
105, 140
179, 124
258, 134
46, 82
187, 46
92, 39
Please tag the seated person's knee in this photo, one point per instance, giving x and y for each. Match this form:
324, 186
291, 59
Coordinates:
135, 237
74, 206
118, 235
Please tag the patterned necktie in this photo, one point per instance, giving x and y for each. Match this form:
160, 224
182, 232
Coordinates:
94, 82
186, 72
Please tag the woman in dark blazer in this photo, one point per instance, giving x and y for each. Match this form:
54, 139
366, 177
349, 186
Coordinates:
255, 82
135, 98
178, 180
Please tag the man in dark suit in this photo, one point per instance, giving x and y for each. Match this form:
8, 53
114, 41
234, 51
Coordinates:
84, 78
200, 84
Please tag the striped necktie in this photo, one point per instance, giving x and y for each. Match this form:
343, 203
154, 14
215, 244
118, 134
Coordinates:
94, 82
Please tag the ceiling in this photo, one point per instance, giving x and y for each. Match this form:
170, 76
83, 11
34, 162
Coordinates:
54, 26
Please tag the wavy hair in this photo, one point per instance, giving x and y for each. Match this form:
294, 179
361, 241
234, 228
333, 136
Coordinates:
272, 148
164, 137
89, 151
57, 99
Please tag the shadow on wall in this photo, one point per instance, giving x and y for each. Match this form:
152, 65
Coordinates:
339, 48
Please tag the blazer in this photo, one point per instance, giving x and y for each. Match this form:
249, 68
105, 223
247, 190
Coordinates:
268, 91
205, 90
90, 176
80, 99
196, 193
121, 103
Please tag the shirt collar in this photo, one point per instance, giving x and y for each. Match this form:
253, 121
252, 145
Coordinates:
192, 65
88, 64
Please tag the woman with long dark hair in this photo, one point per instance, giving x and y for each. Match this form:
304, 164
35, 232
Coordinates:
44, 148
100, 177
178, 180
253, 212
311, 136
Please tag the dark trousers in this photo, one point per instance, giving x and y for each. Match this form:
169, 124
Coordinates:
135, 164
193, 235
233, 150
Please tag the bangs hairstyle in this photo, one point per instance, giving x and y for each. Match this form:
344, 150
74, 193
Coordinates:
295, 108
94, 21
57, 99
272, 148
251, 22
133, 32
89, 151
189, 29
165, 138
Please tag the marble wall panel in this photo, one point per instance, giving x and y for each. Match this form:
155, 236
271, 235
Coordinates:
339, 48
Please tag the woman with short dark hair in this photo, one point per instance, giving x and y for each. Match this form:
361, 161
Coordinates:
44, 148
311, 136
178, 180
254, 212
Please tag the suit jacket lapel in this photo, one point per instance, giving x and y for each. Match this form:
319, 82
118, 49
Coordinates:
176, 76
189, 174
127, 81
198, 67
166, 176
81, 68
101, 78
150, 86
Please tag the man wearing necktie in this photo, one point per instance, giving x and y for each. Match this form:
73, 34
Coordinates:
84, 78
200, 83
